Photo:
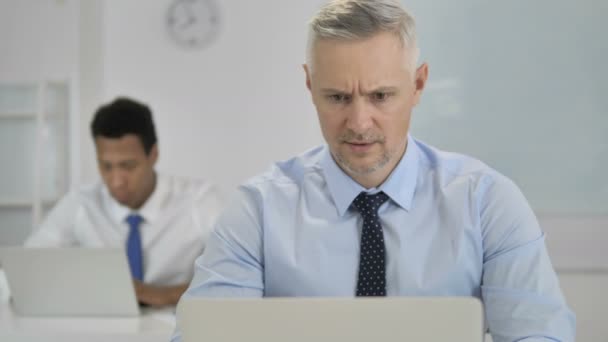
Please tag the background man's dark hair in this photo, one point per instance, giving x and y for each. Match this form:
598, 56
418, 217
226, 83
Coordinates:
125, 116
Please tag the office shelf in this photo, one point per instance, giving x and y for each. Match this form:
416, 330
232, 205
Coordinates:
34, 145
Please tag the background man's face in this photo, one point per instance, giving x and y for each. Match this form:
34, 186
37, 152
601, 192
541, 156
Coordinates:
364, 92
126, 169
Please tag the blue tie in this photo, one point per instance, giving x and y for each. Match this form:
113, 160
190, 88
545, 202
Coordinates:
134, 252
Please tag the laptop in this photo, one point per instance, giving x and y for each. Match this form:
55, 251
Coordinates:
69, 281
387, 319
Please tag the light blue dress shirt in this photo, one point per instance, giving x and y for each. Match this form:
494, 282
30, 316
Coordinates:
453, 227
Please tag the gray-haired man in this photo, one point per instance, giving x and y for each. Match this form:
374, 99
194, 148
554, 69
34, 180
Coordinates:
375, 212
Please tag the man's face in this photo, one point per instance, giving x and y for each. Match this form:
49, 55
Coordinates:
126, 169
364, 92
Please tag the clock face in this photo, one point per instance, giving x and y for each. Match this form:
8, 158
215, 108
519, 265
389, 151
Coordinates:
193, 23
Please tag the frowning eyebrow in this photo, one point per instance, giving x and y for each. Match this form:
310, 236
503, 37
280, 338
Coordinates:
383, 90
387, 89
333, 91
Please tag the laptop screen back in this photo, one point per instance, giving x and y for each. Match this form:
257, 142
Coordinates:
69, 281
323, 319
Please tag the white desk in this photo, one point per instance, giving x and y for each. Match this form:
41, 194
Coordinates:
151, 326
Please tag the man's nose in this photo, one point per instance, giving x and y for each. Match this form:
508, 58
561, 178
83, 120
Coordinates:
117, 180
359, 118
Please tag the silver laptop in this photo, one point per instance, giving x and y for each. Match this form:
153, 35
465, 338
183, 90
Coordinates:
388, 319
69, 281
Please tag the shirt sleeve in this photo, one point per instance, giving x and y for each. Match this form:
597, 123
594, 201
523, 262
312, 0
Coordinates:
57, 229
232, 264
520, 290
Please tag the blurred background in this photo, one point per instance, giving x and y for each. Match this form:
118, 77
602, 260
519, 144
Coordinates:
519, 84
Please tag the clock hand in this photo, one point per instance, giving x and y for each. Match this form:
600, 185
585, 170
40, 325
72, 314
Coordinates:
191, 20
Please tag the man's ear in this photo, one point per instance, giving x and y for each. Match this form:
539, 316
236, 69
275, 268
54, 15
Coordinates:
153, 155
422, 75
307, 71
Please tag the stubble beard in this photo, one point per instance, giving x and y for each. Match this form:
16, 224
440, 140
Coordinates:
350, 168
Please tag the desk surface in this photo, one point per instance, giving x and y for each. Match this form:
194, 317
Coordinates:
151, 326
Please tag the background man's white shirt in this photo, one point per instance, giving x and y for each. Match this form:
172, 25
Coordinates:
178, 216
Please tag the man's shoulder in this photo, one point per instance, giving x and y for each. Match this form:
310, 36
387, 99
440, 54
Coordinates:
87, 192
185, 187
290, 172
450, 170
183, 183
82, 197
452, 164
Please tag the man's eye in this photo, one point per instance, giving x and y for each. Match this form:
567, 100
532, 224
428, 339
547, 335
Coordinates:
380, 96
339, 97
128, 166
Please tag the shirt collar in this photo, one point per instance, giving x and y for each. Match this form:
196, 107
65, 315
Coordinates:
399, 186
149, 211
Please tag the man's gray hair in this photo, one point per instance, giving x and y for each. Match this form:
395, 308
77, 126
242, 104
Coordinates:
350, 20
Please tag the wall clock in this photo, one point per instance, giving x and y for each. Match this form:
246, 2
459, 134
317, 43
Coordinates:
193, 23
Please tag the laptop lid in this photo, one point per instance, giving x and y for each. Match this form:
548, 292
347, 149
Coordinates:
323, 319
69, 281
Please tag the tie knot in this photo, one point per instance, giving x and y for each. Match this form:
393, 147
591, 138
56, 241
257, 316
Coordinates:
367, 204
134, 220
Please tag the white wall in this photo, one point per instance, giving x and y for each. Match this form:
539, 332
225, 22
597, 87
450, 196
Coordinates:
90, 84
224, 112
37, 39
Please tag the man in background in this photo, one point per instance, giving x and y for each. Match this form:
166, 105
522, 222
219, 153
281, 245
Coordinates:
162, 221
376, 212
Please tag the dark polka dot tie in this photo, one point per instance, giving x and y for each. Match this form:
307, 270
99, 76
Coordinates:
372, 276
